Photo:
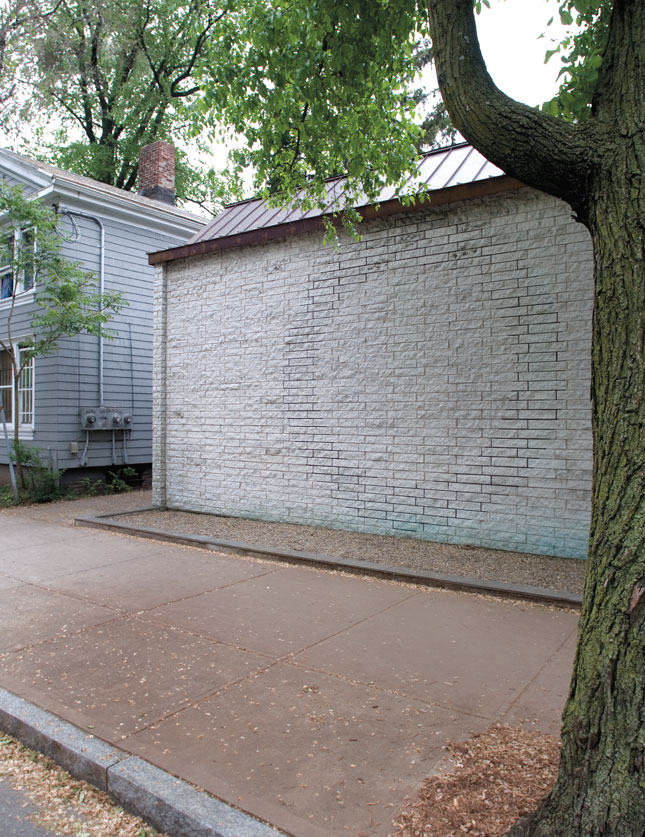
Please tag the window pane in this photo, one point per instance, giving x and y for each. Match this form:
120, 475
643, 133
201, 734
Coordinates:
28, 244
6, 284
6, 393
26, 393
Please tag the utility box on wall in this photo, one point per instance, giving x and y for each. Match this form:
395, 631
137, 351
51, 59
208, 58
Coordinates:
105, 418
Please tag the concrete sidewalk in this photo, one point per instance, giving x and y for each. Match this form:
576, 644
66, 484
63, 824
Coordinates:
312, 700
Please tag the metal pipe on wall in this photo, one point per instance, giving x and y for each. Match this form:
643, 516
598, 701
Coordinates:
71, 212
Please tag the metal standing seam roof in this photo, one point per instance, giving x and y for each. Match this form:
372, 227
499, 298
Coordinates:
441, 169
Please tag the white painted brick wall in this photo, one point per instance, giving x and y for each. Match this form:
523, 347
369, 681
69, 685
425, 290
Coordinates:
430, 380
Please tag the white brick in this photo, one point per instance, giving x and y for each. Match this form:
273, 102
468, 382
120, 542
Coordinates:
431, 379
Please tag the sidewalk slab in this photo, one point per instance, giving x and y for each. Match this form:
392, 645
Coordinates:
29, 614
8, 583
82, 550
13, 533
318, 755
460, 651
549, 688
125, 674
168, 803
308, 698
283, 612
163, 576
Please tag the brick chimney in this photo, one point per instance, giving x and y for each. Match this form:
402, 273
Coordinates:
157, 172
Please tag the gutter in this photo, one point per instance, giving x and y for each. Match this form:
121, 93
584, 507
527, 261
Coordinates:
160, 218
262, 235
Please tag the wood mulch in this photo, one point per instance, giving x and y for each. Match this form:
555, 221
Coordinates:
496, 778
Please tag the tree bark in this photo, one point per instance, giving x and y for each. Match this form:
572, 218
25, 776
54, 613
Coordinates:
16, 421
598, 169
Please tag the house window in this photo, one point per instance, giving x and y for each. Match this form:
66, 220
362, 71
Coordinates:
17, 246
25, 407
6, 386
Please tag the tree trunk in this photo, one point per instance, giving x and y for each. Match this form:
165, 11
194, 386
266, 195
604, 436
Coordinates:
600, 789
598, 168
16, 423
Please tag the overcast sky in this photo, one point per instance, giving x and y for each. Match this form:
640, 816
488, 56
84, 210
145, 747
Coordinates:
508, 34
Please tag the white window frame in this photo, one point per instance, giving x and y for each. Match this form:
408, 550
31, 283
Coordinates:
26, 395
18, 289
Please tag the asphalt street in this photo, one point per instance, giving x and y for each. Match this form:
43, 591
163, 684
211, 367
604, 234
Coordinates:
17, 812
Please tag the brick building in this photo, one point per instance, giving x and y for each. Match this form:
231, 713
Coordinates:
429, 380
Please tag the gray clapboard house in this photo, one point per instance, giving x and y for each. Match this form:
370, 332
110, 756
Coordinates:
89, 404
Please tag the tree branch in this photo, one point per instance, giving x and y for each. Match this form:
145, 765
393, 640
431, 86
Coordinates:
79, 51
192, 61
540, 150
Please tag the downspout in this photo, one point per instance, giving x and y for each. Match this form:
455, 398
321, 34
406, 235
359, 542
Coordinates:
65, 211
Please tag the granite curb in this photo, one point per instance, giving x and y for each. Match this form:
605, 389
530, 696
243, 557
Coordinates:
170, 804
502, 589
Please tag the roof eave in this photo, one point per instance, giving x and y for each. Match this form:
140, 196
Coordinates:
29, 173
103, 203
452, 194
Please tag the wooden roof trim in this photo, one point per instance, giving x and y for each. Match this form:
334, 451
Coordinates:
261, 235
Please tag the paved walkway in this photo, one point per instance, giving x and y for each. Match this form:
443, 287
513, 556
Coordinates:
313, 700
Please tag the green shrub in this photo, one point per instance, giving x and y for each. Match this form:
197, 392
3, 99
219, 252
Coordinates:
42, 484
120, 481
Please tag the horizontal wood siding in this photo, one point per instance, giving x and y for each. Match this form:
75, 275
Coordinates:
69, 380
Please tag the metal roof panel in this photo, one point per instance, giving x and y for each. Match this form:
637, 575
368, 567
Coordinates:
437, 170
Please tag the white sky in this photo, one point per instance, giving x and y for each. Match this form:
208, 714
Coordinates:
508, 34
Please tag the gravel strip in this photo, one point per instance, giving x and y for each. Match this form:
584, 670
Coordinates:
563, 574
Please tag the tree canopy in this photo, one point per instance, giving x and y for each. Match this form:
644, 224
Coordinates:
318, 88
95, 81
92, 82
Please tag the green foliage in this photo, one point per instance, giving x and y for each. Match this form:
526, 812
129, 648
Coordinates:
88, 487
110, 76
25, 455
316, 87
321, 87
6, 497
121, 480
41, 484
581, 55
67, 298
